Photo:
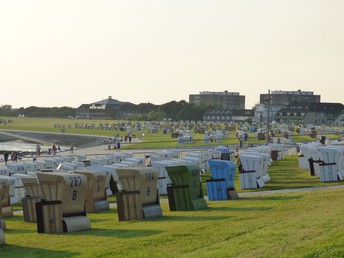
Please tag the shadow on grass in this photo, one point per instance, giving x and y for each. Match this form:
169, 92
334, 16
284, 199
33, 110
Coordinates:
272, 198
193, 218
20, 231
120, 233
17, 251
238, 209
15, 217
96, 220
109, 211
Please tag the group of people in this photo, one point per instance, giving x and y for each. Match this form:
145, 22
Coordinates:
54, 148
14, 156
116, 144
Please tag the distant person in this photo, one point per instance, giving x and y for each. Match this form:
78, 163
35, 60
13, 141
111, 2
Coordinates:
38, 149
6, 157
71, 148
14, 156
109, 143
54, 149
118, 146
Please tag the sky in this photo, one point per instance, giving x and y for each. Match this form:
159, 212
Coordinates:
73, 52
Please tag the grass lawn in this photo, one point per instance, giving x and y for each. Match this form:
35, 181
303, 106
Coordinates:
302, 224
306, 224
150, 140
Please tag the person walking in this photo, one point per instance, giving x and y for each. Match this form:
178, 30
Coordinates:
6, 157
118, 146
38, 149
109, 143
71, 149
54, 148
14, 156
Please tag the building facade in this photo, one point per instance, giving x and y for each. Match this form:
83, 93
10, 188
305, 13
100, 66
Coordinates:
310, 113
283, 98
227, 115
104, 109
279, 99
225, 100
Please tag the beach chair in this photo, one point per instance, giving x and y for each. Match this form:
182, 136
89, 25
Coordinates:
12, 189
96, 198
185, 192
6, 209
62, 208
221, 184
139, 198
32, 196
330, 168
250, 171
163, 178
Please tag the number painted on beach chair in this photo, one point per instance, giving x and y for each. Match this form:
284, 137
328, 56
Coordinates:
75, 181
75, 192
149, 177
99, 179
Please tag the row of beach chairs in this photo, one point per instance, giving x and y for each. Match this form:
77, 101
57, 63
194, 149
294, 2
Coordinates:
325, 161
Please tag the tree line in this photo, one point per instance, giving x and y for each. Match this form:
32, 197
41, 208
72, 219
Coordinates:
173, 110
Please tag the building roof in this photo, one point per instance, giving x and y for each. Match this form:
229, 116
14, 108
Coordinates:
108, 101
84, 106
306, 107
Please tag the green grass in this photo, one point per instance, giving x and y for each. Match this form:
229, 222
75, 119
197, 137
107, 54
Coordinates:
302, 224
150, 141
284, 225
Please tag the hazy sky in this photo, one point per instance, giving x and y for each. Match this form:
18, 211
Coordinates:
68, 52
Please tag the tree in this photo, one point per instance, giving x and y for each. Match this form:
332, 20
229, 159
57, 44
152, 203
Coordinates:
6, 106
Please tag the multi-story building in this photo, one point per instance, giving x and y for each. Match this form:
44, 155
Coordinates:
280, 99
283, 98
310, 113
224, 100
